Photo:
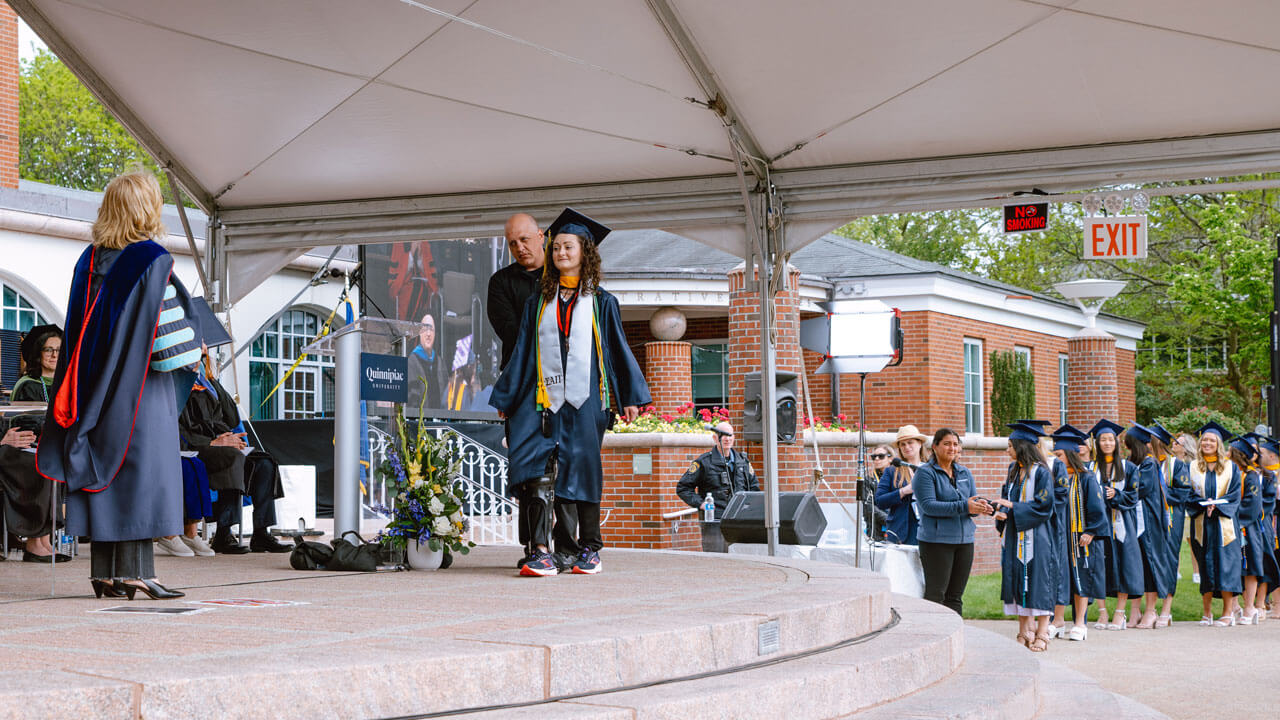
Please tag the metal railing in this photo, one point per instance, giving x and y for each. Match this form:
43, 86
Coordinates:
1199, 358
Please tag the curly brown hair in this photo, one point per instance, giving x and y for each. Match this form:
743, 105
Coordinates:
589, 277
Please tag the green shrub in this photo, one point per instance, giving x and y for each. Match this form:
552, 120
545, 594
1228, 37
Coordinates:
1194, 418
1013, 389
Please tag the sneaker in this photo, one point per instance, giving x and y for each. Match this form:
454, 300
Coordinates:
197, 545
588, 563
173, 546
541, 565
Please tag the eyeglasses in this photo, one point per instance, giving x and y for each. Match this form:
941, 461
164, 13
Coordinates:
879, 456
50, 351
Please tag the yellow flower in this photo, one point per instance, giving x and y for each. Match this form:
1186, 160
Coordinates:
435, 488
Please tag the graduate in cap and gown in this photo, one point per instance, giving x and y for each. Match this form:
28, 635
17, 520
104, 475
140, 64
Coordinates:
1124, 551
1058, 525
1028, 562
111, 432
1156, 519
1255, 542
1214, 536
1177, 490
1269, 459
1086, 522
571, 367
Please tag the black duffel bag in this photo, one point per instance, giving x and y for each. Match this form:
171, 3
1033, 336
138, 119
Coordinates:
309, 555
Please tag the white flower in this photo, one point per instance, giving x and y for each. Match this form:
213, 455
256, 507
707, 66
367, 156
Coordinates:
442, 526
456, 517
435, 507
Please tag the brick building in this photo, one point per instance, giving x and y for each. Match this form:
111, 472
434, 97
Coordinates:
952, 321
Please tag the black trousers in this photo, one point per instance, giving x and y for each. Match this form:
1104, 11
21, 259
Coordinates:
261, 479
128, 560
577, 527
946, 572
533, 519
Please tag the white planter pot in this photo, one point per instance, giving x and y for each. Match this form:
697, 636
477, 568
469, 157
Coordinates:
421, 557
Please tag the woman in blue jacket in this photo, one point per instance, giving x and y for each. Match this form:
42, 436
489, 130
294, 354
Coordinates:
894, 494
945, 493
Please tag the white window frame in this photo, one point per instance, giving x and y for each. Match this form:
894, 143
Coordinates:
975, 404
1025, 352
724, 376
1063, 367
292, 402
22, 306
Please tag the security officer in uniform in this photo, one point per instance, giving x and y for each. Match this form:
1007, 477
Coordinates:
721, 472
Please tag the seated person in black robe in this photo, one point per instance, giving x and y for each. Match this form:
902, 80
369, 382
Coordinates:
210, 425
40, 348
26, 496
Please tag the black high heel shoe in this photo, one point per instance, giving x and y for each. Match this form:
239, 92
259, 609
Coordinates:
152, 589
106, 588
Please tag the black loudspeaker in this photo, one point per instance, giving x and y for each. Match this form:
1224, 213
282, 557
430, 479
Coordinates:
785, 388
800, 519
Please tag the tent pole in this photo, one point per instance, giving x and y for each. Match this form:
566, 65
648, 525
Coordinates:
768, 394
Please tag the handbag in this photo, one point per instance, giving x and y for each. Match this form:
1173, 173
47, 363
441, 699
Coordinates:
361, 557
309, 555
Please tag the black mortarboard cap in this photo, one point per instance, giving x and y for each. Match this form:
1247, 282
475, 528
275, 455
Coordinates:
575, 223
38, 334
1214, 428
211, 330
1106, 426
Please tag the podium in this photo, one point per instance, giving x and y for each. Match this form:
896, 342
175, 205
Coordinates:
371, 335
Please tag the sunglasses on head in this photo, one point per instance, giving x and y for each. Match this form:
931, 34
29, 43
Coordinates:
880, 456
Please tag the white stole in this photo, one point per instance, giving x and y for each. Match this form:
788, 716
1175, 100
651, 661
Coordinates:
572, 383
1118, 530
1226, 525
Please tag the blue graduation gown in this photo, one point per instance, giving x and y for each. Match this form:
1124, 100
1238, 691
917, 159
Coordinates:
1178, 484
1152, 503
1220, 564
1061, 529
576, 433
1030, 583
900, 513
1124, 557
1269, 487
114, 440
1087, 566
1257, 544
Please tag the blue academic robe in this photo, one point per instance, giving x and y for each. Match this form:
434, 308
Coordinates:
1257, 544
1087, 566
1269, 487
1060, 526
1124, 556
1029, 569
900, 513
1178, 485
1220, 564
576, 433
1157, 518
112, 432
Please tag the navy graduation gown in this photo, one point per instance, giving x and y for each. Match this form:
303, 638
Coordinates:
1061, 529
1029, 582
576, 433
1088, 565
1269, 525
112, 433
1152, 503
1124, 556
1220, 564
1256, 543
1179, 492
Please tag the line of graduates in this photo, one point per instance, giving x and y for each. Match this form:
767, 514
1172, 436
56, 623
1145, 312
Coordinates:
1082, 523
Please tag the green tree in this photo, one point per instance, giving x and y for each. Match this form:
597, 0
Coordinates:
945, 237
65, 136
1013, 389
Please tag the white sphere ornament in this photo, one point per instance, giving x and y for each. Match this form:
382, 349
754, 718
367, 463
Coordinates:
1139, 201
667, 324
1114, 203
1091, 204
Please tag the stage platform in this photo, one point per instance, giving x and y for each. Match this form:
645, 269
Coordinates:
656, 635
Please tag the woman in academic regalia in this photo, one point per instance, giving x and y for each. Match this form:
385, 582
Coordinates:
1028, 562
40, 349
111, 432
1214, 535
1153, 505
1255, 543
1269, 459
1173, 470
570, 365
1124, 552
1086, 522
1058, 526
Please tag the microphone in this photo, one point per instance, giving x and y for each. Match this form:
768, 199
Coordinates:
897, 462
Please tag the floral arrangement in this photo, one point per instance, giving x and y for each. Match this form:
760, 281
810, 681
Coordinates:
424, 474
839, 423
684, 420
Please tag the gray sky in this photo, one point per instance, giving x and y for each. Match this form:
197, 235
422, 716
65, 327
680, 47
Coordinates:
26, 40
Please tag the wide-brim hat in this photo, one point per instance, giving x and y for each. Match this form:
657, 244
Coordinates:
910, 432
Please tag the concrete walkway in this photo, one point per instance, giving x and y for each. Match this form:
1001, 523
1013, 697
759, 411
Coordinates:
1169, 669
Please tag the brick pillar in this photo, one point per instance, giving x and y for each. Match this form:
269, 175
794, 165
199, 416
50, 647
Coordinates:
1092, 390
8, 97
744, 357
668, 369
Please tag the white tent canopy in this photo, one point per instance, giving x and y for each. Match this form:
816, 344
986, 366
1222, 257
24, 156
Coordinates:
301, 123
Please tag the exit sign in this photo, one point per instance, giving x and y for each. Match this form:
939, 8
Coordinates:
1025, 217
1118, 237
